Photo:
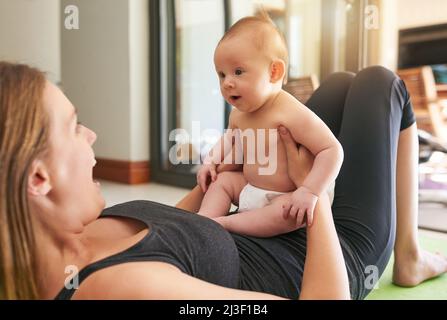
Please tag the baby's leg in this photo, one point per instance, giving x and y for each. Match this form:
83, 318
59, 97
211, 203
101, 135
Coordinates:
221, 193
264, 222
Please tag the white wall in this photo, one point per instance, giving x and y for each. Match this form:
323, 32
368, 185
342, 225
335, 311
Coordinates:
139, 79
105, 72
417, 13
389, 31
403, 14
304, 39
103, 66
30, 33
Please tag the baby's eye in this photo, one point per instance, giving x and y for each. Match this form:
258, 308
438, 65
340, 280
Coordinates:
221, 75
238, 72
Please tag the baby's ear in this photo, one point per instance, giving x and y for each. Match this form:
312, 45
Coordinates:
277, 71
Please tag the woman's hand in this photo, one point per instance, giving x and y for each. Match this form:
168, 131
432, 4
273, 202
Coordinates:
299, 159
299, 163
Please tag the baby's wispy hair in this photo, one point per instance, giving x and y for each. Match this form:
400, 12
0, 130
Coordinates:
265, 35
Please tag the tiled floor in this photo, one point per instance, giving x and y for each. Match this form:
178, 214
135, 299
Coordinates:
433, 234
117, 193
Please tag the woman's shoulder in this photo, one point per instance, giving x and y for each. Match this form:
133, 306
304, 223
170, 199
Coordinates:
155, 281
132, 280
141, 209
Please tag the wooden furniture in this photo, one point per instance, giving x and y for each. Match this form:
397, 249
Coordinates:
302, 88
441, 89
421, 85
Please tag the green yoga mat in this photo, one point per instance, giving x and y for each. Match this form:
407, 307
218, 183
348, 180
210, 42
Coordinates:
433, 289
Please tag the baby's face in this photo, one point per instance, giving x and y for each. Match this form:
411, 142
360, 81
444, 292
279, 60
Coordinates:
244, 73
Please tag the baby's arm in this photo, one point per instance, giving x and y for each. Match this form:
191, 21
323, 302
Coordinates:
227, 166
217, 159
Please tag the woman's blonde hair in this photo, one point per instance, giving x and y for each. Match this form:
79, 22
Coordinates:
23, 136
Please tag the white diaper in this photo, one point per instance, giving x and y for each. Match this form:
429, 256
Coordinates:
252, 197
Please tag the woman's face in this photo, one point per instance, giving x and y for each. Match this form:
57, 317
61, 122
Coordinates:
74, 195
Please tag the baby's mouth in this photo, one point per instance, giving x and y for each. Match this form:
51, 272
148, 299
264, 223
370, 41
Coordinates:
234, 98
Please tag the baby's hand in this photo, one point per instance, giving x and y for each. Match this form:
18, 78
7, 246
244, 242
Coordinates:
207, 170
303, 203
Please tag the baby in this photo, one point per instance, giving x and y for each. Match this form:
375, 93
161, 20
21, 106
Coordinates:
251, 62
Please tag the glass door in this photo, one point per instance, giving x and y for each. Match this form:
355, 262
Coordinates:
188, 112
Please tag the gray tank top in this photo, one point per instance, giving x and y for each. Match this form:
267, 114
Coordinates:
200, 247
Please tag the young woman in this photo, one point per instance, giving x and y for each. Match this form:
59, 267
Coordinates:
52, 218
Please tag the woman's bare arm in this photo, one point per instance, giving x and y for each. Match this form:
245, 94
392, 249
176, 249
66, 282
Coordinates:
325, 275
192, 201
162, 281
299, 159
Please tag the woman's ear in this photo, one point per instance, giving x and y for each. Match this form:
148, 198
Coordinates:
38, 179
277, 70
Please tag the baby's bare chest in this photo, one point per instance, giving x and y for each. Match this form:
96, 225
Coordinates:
266, 122
259, 138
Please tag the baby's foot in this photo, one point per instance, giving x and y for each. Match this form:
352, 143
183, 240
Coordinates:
411, 270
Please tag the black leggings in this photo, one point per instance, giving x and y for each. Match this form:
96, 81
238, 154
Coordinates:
366, 112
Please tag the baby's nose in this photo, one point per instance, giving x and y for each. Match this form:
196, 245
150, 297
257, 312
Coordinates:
228, 83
